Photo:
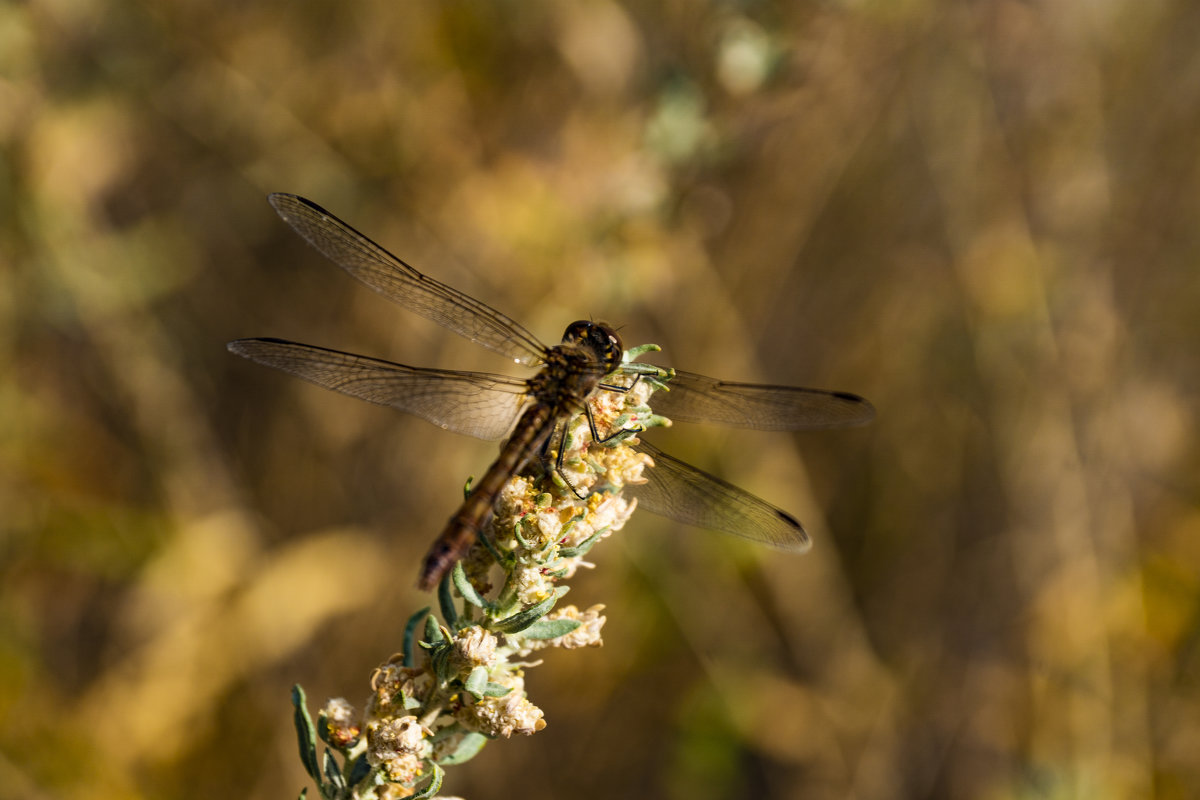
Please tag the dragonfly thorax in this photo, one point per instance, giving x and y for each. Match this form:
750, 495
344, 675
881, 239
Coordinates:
575, 368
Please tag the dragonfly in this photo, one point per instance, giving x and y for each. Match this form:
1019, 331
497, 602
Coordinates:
527, 412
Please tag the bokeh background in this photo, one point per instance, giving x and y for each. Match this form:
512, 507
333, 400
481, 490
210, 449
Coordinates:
985, 217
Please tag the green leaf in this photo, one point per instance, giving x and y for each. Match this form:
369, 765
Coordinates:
322, 727
499, 557
468, 748
517, 532
433, 631
583, 547
306, 734
523, 619
550, 628
476, 683
622, 436
333, 774
637, 351
655, 421
439, 659
446, 603
446, 731
496, 690
360, 768
431, 788
466, 589
410, 633
304, 793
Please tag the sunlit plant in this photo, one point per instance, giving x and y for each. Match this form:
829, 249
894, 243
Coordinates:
459, 681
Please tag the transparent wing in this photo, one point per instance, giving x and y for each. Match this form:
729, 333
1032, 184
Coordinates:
695, 398
475, 403
682, 492
397, 281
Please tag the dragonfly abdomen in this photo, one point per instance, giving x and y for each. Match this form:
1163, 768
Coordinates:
530, 434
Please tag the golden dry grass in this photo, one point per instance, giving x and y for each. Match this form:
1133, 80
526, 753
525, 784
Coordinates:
982, 216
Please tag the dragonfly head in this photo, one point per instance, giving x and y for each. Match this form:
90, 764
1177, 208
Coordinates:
600, 339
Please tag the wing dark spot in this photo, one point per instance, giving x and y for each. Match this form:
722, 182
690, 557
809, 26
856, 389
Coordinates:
789, 519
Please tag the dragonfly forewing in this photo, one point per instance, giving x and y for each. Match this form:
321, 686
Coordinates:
397, 281
473, 403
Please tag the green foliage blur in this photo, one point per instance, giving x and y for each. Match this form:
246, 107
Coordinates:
981, 216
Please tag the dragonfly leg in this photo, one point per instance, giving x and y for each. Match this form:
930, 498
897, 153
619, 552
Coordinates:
612, 387
561, 438
619, 432
557, 468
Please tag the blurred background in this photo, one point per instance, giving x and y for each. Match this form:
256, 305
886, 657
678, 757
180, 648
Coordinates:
981, 216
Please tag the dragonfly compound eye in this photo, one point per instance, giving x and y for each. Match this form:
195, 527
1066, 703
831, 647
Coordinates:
578, 332
598, 337
614, 350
